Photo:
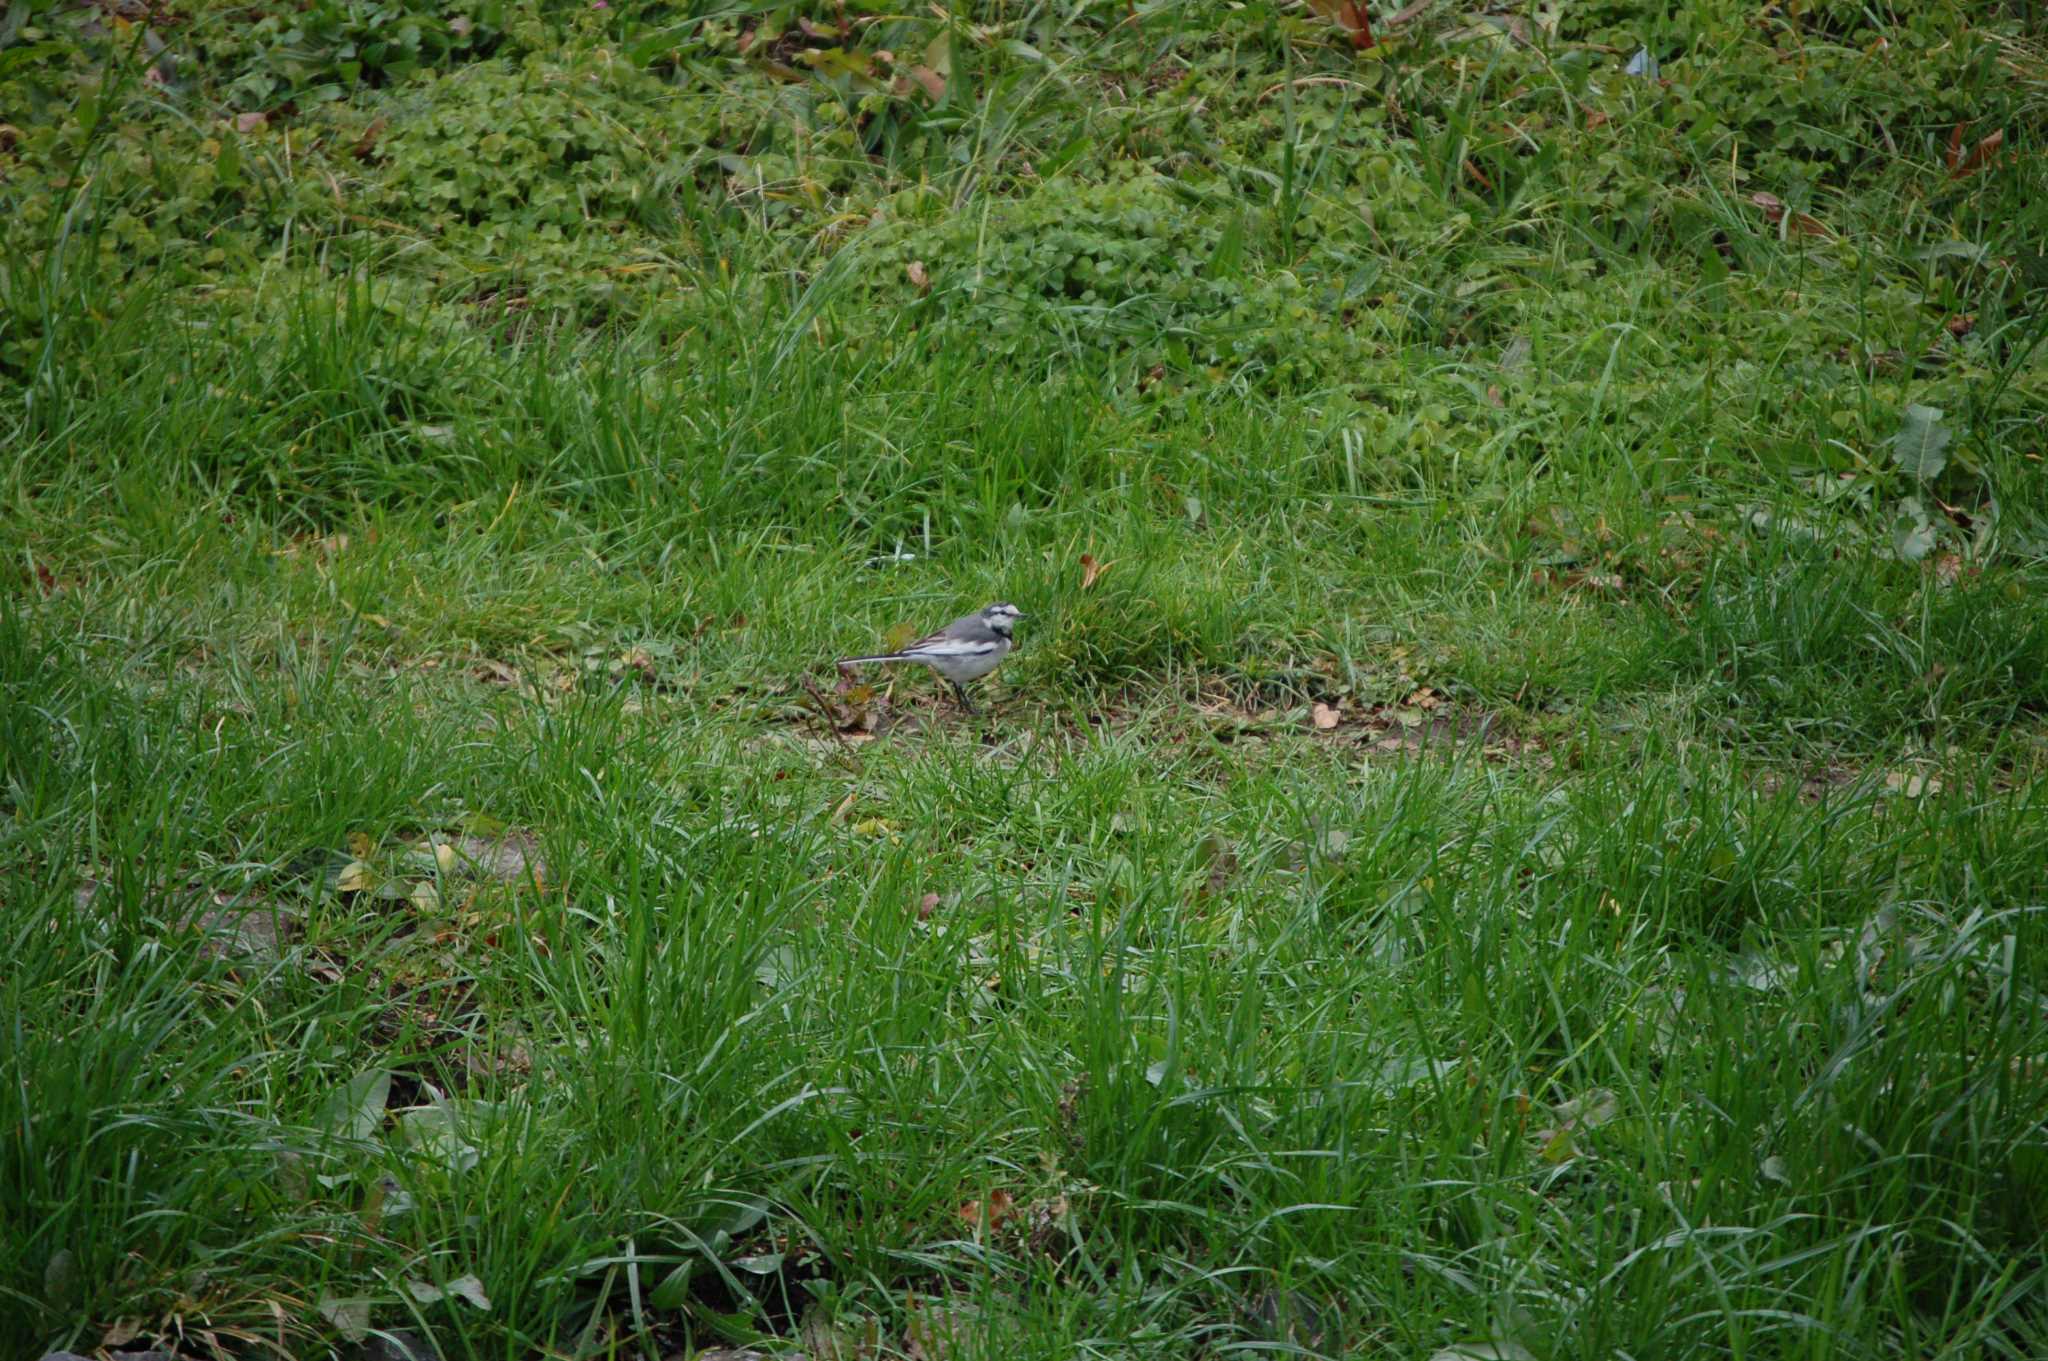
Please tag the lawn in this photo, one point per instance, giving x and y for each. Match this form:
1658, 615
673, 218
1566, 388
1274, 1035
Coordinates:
1517, 828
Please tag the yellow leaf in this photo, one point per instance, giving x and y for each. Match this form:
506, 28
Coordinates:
359, 845
355, 877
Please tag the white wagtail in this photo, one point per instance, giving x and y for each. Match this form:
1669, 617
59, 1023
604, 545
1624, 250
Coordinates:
964, 650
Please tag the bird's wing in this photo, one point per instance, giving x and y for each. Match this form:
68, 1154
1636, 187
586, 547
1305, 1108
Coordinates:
940, 645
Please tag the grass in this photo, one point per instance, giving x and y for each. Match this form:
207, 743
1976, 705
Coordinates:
1516, 829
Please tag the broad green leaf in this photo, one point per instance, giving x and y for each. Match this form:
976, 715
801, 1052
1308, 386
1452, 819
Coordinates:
1912, 531
1953, 250
1921, 445
350, 1317
1484, 1351
356, 1109
462, 1287
673, 1290
437, 1131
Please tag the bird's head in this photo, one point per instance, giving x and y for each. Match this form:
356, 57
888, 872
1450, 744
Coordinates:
1001, 617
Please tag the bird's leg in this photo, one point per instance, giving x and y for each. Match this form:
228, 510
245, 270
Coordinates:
965, 702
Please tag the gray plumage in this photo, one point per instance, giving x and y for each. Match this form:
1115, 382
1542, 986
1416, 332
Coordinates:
967, 649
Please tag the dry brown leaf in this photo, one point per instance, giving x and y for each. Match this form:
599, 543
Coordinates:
1349, 15
1325, 716
926, 906
251, 122
1091, 570
934, 84
367, 143
982, 1215
1979, 155
1801, 224
921, 280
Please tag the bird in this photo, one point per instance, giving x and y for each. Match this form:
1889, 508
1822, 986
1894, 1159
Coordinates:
964, 650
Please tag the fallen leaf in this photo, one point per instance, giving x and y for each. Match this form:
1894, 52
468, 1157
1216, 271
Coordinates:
251, 122
1348, 15
934, 84
1980, 154
367, 143
983, 1215
1801, 224
1948, 568
926, 906
355, 877
1091, 570
1425, 698
1325, 716
921, 280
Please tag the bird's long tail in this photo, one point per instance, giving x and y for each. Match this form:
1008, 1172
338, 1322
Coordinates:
882, 657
